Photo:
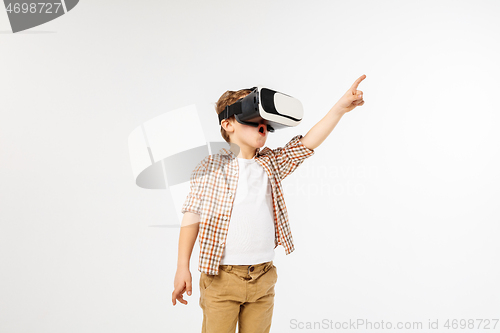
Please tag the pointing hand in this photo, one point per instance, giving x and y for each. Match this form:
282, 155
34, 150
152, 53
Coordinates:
352, 97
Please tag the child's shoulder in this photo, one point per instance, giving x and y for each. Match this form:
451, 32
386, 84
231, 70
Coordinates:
209, 162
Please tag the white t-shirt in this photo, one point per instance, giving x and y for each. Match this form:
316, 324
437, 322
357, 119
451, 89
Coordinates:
250, 236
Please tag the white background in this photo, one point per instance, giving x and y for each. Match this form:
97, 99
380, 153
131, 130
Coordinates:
395, 217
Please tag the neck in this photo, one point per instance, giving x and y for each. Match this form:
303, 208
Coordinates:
245, 152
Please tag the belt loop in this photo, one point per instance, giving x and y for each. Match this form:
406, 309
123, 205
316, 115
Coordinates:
269, 266
226, 268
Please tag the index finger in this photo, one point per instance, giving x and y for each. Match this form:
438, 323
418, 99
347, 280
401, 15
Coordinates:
355, 85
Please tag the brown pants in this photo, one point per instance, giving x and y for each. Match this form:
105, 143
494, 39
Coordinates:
242, 294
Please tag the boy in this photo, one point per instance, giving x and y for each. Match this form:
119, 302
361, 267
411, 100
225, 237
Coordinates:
243, 185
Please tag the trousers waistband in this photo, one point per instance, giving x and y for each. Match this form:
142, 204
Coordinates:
265, 266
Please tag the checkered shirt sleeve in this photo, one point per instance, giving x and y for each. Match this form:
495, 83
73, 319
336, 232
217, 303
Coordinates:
291, 156
194, 199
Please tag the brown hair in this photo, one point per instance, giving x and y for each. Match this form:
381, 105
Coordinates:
228, 98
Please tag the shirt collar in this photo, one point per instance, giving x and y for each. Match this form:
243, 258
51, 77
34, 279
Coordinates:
232, 155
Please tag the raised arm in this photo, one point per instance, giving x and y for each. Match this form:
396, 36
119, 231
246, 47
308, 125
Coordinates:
319, 132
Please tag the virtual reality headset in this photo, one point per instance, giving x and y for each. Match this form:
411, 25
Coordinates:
278, 109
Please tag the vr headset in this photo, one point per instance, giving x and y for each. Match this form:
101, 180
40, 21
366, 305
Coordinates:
278, 109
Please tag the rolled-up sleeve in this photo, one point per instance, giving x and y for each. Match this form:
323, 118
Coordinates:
291, 156
194, 199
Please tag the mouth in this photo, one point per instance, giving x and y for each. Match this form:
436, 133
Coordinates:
262, 131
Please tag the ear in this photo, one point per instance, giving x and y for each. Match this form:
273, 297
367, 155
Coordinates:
227, 124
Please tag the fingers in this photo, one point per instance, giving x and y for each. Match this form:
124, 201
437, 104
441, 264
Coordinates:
358, 101
174, 296
177, 295
188, 288
356, 83
356, 97
182, 300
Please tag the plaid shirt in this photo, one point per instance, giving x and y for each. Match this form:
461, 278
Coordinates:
212, 191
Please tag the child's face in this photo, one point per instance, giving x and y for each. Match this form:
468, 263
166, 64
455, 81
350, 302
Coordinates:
249, 136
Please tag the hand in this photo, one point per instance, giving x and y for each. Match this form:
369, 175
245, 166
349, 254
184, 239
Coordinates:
182, 283
352, 97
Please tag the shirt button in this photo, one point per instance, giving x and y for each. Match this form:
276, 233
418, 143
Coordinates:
221, 242
230, 194
225, 218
